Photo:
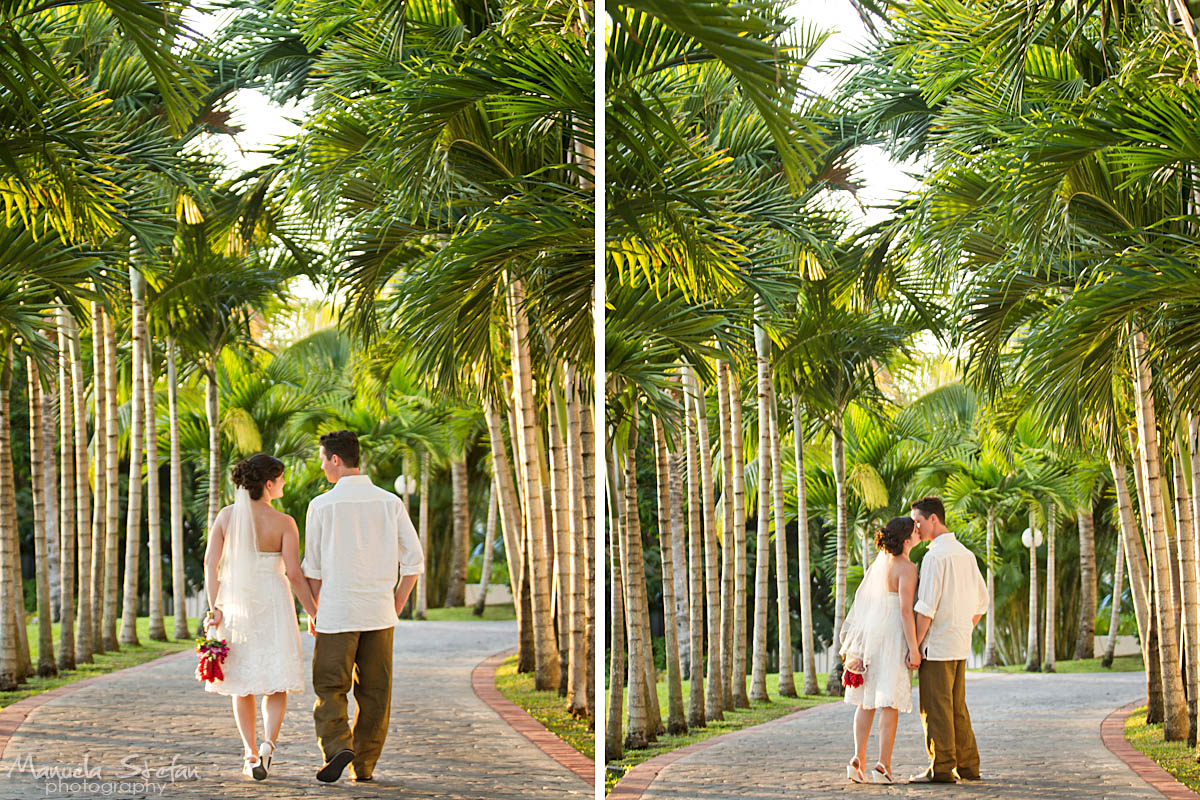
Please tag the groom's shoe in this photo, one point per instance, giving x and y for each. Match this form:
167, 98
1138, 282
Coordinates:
928, 777
333, 770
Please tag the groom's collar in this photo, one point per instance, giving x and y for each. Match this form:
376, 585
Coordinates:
948, 536
352, 479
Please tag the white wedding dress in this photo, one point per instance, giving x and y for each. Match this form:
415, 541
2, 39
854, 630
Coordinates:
887, 682
259, 616
874, 633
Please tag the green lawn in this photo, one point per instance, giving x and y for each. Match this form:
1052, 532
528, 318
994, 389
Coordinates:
466, 614
1120, 664
127, 656
546, 707
1175, 757
758, 713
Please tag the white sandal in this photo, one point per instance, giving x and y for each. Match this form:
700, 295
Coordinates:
854, 772
266, 752
880, 774
250, 764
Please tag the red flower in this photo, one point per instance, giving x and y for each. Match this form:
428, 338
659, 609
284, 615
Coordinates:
852, 679
212, 654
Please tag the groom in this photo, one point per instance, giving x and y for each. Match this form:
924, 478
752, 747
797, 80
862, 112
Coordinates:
951, 598
357, 538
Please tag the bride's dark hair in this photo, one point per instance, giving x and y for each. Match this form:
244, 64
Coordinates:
894, 534
253, 473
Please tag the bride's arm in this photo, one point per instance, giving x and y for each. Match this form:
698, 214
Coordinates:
908, 593
212, 560
291, 564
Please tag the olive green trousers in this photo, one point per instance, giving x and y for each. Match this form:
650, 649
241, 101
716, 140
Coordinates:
949, 739
362, 661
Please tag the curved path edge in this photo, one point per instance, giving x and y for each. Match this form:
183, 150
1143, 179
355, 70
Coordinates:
13, 716
1112, 732
638, 779
483, 681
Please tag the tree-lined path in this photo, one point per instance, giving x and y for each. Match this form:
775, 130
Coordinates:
1038, 734
443, 742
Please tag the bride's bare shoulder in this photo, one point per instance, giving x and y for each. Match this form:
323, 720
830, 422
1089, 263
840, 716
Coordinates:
282, 519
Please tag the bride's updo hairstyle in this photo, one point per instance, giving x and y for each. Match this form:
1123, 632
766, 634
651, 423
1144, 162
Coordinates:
894, 534
253, 473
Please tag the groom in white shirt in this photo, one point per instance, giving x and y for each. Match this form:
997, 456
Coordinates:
357, 538
951, 598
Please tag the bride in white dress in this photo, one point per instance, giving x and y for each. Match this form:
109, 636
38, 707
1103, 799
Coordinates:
253, 554
878, 636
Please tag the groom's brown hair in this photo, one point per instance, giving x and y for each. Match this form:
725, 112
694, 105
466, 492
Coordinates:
929, 506
343, 444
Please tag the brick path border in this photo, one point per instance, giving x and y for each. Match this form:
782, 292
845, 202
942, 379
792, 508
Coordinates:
13, 716
483, 681
1112, 731
638, 779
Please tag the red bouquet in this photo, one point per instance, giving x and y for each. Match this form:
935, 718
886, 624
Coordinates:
212, 655
850, 678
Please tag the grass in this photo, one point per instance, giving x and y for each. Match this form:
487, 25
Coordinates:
758, 713
1175, 757
465, 613
546, 707
1131, 663
127, 656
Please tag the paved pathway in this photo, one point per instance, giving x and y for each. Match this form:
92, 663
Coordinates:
443, 741
1038, 735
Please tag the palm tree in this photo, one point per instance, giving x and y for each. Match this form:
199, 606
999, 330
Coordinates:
46, 665
133, 514
84, 623
66, 503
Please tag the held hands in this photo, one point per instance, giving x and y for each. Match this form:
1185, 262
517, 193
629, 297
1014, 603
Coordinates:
913, 660
312, 630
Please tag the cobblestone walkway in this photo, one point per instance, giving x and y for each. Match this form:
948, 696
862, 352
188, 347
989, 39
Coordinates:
443, 741
1038, 735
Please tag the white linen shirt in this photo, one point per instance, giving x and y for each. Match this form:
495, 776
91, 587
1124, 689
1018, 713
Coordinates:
356, 537
951, 591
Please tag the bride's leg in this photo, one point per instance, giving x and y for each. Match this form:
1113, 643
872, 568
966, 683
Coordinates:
888, 719
274, 706
246, 719
863, 718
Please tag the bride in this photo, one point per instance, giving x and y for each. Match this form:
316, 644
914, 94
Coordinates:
878, 634
253, 553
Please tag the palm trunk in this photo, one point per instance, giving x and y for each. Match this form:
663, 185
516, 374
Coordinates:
577, 679
696, 711
45, 666
640, 732
84, 627
614, 742
741, 699
489, 542
1140, 580
157, 627
683, 634
787, 680
66, 500
990, 657
178, 581
560, 516
50, 477
727, 554
456, 592
212, 413
1085, 640
423, 532
133, 512
10, 665
1048, 659
714, 699
1186, 550
510, 523
676, 722
1175, 703
588, 458
112, 490
99, 466
1114, 620
762, 557
806, 621
1033, 658
833, 684
537, 530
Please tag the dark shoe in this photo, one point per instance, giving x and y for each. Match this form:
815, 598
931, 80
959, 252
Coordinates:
333, 770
